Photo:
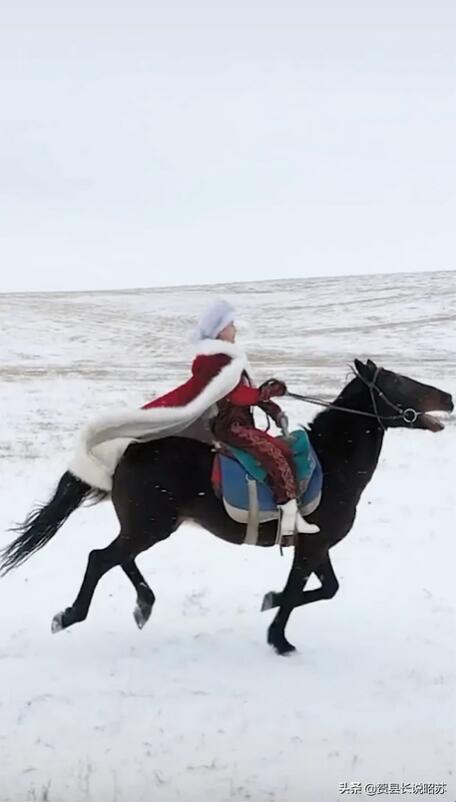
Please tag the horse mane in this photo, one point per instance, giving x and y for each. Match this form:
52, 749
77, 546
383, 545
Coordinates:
347, 397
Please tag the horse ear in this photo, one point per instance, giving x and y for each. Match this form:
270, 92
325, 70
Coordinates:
360, 366
363, 370
371, 364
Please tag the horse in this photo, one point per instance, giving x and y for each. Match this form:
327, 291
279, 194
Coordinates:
160, 484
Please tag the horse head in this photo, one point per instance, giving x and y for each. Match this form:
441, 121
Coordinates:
403, 402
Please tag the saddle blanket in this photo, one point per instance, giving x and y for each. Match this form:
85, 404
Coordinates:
240, 481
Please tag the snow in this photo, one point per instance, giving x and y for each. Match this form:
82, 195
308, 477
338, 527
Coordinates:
196, 706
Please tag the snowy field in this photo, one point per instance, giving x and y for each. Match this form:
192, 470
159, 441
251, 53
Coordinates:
196, 707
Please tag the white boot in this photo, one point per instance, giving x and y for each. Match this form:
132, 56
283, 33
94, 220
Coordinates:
291, 521
288, 513
304, 527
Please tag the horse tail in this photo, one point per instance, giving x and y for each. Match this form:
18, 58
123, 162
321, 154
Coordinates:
45, 520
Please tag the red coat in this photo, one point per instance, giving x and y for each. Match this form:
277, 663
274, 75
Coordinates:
219, 372
204, 369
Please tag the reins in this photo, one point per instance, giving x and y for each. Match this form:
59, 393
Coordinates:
408, 415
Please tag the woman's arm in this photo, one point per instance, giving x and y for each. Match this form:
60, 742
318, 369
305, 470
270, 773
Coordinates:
243, 395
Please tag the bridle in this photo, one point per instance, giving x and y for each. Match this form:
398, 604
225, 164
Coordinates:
408, 415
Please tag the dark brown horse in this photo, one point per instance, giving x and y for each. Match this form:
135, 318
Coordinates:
161, 484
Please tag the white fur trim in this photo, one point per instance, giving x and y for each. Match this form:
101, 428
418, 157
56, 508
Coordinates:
104, 440
97, 467
209, 347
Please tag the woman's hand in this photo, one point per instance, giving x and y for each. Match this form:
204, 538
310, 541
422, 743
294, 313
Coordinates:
283, 424
272, 388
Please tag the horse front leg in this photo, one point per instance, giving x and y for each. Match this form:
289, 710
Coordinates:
292, 595
297, 578
329, 587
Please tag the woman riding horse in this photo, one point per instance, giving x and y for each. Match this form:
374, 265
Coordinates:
231, 418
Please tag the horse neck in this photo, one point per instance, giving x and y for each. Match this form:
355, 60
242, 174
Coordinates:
348, 445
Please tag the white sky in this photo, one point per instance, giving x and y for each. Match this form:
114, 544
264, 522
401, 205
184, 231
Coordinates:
166, 142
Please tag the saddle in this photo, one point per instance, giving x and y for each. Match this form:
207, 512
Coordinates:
241, 483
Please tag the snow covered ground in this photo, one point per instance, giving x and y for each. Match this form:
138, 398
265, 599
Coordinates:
196, 707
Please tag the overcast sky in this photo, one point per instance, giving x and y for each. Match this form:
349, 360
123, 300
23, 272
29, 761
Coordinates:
164, 142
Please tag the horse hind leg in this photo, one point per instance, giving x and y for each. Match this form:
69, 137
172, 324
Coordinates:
145, 596
100, 561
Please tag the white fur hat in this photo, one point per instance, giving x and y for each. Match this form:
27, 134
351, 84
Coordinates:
214, 319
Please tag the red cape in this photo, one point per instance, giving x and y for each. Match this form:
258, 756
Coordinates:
105, 439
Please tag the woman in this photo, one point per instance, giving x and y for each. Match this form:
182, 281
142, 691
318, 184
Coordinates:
220, 388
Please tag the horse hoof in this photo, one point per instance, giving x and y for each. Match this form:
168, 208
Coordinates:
279, 642
57, 623
269, 601
285, 649
141, 614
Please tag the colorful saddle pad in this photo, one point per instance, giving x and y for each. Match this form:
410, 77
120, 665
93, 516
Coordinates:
241, 482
